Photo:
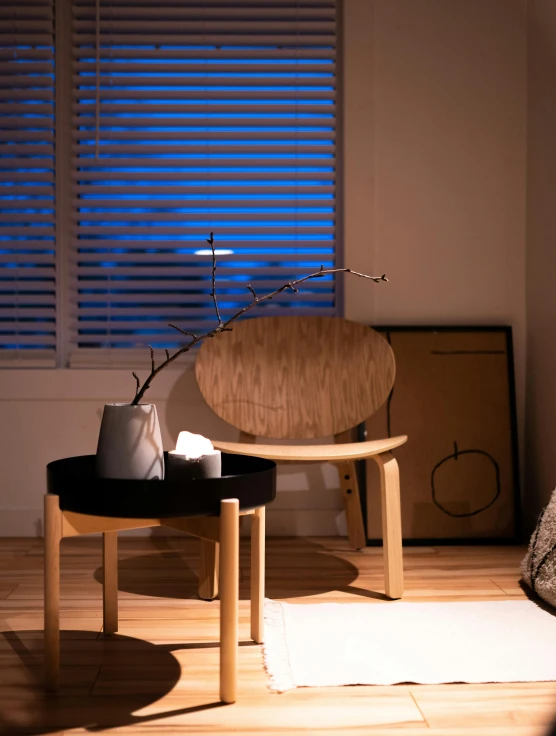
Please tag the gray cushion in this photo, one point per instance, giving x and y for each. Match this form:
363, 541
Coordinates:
539, 566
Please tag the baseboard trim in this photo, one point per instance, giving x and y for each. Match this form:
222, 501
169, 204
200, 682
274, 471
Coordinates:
279, 523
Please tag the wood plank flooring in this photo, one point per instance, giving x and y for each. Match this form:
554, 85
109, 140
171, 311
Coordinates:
159, 674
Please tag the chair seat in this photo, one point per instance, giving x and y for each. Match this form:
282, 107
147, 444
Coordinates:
313, 453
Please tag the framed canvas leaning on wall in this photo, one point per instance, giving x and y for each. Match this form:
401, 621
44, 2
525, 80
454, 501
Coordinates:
454, 396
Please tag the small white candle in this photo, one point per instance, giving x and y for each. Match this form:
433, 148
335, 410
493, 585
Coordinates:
193, 446
194, 457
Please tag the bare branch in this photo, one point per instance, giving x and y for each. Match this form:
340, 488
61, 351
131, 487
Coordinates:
228, 325
213, 292
167, 353
138, 382
179, 329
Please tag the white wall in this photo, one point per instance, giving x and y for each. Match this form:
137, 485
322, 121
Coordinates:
435, 154
50, 414
434, 167
541, 258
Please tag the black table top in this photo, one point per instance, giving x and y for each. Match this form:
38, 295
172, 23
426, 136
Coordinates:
251, 480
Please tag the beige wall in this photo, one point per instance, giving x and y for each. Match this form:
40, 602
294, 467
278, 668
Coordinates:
435, 188
435, 137
541, 257
49, 414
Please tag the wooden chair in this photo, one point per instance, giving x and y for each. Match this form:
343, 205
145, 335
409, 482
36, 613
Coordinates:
305, 378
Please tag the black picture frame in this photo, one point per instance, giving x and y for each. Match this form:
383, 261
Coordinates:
517, 536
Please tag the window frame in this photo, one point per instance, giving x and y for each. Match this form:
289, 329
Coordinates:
65, 292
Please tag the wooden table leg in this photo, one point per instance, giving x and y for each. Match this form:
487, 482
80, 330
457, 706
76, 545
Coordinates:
229, 598
52, 538
110, 582
257, 574
208, 570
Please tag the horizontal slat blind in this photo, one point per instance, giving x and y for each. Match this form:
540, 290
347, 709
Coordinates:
204, 116
27, 245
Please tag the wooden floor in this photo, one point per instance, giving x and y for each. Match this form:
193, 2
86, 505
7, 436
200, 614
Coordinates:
159, 675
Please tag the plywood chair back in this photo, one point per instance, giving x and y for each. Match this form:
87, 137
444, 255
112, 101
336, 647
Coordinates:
301, 378
295, 377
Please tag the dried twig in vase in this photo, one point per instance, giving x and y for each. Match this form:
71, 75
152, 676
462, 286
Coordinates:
226, 326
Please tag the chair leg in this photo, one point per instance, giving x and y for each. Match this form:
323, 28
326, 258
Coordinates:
257, 574
52, 538
391, 523
208, 570
352, 504
229, 598
110, 582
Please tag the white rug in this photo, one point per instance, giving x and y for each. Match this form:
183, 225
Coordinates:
326, 644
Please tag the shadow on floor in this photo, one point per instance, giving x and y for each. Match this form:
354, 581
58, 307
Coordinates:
166, 572
134, 675
535, 598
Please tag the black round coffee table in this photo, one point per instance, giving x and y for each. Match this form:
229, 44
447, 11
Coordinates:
78, 502
249, 479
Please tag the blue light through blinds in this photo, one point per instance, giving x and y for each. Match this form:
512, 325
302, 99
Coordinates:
206, 116
27, 258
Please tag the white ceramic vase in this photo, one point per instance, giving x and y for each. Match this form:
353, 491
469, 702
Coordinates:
130, 443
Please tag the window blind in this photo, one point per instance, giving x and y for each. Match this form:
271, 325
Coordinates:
194, 117
27, 246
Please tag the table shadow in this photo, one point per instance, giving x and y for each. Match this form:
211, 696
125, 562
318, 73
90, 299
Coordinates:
92, 695
166, 573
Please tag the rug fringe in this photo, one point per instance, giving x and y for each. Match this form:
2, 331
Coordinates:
276, 656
